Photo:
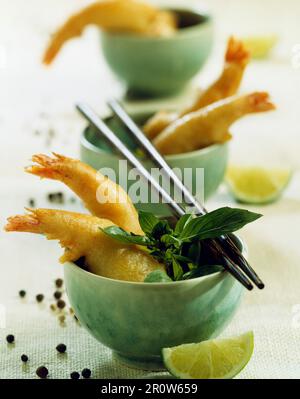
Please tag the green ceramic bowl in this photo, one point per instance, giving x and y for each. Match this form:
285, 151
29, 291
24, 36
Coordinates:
137, 320
160, 66
204, 168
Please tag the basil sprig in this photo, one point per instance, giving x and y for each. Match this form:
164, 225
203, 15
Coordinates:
179, 248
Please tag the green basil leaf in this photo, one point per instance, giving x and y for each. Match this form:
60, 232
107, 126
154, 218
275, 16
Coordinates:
177, 270
216, 223
201, 271
168, 239
194, 252
160, 229
182, 222
157, 276
123, 236
147, 221
181, 258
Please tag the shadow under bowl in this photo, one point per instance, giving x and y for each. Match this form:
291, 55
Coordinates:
137, 320
202, 171
157, 66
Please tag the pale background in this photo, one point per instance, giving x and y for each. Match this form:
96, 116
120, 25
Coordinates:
33, 97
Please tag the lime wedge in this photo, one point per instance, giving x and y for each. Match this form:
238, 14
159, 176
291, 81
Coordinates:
256, 185
217, 358
260, 46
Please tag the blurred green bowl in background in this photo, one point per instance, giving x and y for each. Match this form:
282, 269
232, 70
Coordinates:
160, 66
204, 168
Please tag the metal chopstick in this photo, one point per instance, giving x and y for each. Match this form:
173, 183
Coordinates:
103, 129
158, 159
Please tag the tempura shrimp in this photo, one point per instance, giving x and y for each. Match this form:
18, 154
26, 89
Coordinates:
134, 16
81, 236
209, 125
236, 60
101, 196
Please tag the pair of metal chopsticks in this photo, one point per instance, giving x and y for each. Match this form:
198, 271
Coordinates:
231, 257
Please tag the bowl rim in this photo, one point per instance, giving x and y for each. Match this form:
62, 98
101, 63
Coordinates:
185, 155
180, 33
221, 274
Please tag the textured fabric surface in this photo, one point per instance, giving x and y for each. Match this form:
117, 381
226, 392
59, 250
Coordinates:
37, 115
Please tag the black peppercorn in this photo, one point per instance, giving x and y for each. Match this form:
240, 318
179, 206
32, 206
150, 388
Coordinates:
22, 293
60, 304
24, 358
57, 198
42, 372
59, 282
61, 348
57, 294
31, 202
74, 375
86, 373
39, 297
10, 338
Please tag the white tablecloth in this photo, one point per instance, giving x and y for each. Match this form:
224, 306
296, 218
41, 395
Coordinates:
35, 99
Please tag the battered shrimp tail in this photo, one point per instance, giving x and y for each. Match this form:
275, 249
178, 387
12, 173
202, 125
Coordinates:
211, 124
228, 83
101, 196
236, 52
82, 236
259, 102
47, 167
28, 223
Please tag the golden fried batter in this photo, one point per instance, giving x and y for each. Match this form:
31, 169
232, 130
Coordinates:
134, 16
236, 60
101, 196
80, 235
209, 125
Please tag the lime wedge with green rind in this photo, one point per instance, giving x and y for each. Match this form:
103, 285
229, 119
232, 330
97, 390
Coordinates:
213, 359
257, 185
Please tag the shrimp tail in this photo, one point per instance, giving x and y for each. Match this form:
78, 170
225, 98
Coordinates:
260, 102
47, 167
101, 197
236, 52
28, 223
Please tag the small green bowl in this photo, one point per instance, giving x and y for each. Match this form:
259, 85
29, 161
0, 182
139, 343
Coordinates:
205, 168
160, 66
137, 320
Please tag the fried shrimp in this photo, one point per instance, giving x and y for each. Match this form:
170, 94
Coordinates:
158, 122
81, 236
236, 60
209, 125
134, 16
101, 196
